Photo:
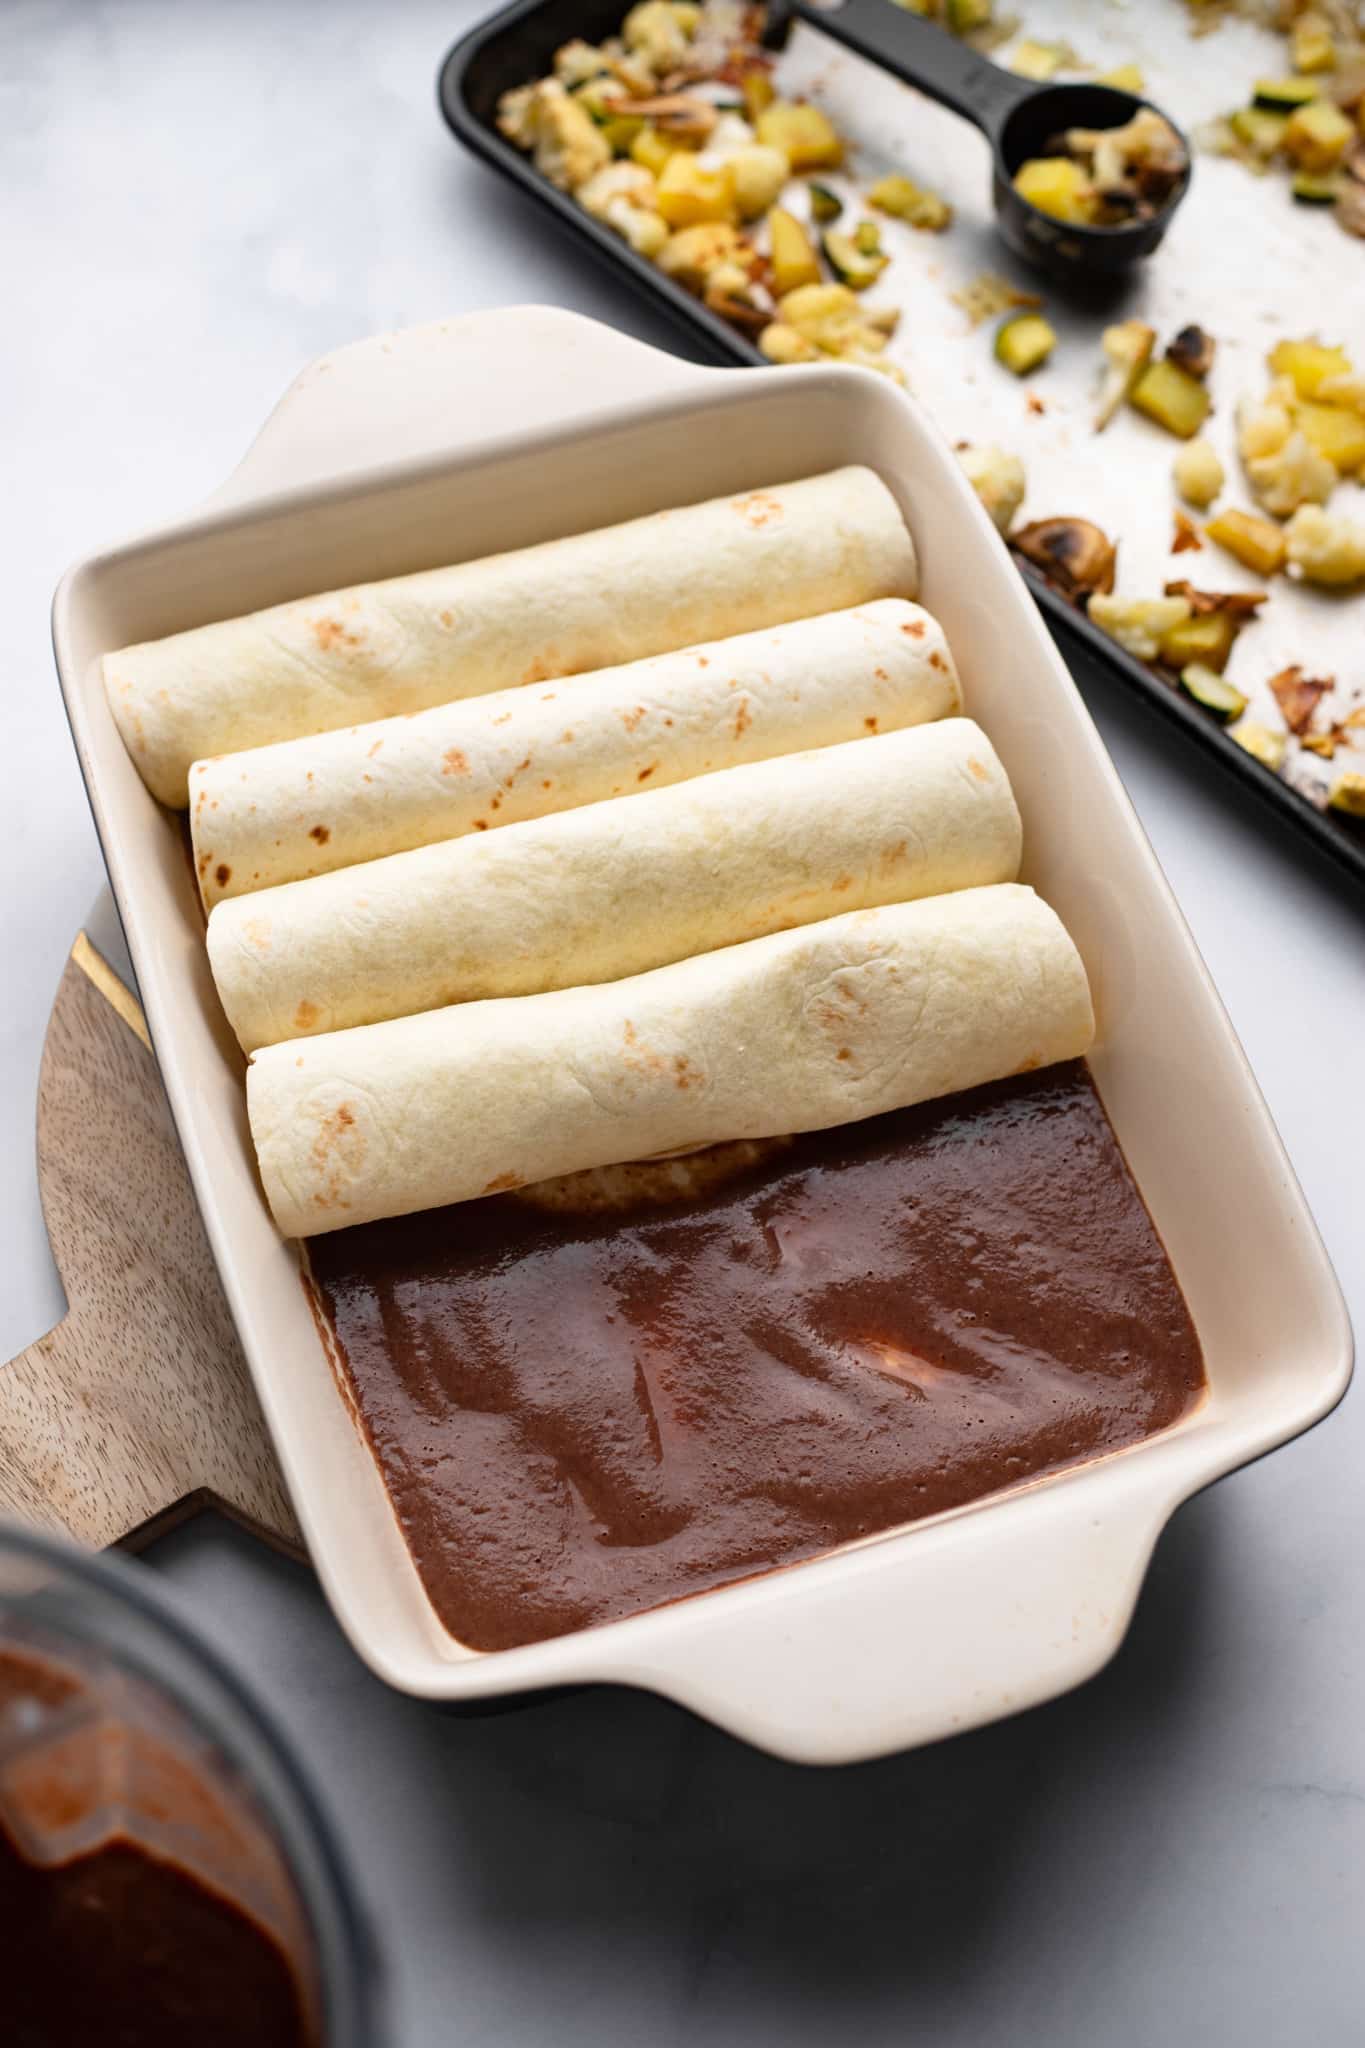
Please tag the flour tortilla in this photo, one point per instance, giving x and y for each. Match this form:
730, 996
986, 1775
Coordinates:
699, 572
615, 888
796, 1032
310, 806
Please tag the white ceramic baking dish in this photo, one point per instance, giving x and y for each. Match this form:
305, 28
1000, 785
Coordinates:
504, 428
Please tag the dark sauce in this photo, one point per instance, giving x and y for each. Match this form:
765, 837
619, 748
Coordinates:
578, 1416
116, 1947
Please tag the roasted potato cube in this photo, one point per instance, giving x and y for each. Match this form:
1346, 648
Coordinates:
805, 135
690, 193
1256, 542
1308, 364
758, 174
1170, 396
1059, 186
1318, 136
791, 253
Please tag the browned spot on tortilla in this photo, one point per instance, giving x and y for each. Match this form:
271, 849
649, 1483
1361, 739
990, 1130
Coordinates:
222, 874
881, 675
306, 1015
843, 1053
502, 1183
628, 1032
299, 1061
645, 773
915, 628
566, 737
547, 783
213, 805
320, 833
871, 724
364, 778
744, 717
841, 883
538, 672
201, 767
936, 660
453, 762
481, 824
978, 768
630, 719
758, 509
336, 1129
330, 633
495, 803
1027, 1066
447, 618
668, 721
703, 661
204, 860
257, 933
683, 1076
309, 776
372, 751
502, 718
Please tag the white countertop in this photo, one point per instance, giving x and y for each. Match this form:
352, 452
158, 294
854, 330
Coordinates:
199, 198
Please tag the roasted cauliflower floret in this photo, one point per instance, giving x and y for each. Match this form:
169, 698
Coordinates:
1326, 548
1198, 473
565, 142
782, 343
656, 33
691, 254
577, 62
1263, 426
1139, 624
623, 196
998, 479
515, 118
1292, 475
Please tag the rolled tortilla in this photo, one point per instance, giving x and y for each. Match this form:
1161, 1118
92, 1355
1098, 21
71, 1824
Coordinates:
615, 888
825, 1025
310, 806
696, 573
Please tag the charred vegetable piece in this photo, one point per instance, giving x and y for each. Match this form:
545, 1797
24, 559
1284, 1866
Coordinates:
1263, 745
1213, 691
1024, 342
1193, 351
1198, 472
1059, 187
852, 265
1314, 188
1284, 95
1257, 542
805, 135
1335, 432
825, 205
1171, 397
904, 200
1074, 555
1318, 136
1127, 350
1347, 794
1298, 696
791, 252
1259, 130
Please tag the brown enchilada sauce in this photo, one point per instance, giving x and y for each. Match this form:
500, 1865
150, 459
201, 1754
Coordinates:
580, 1411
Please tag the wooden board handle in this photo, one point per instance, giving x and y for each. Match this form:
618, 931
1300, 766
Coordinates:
138, 1407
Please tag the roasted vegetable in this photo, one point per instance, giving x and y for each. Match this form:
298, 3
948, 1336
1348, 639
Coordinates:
1024, 342
1326, 549
1139, 624
757, 175
853, 265
964, 16
1207, 640
693, 253
904, 200
651, 148
758, 90
1318, 136
1198, 472
1335, 432
1133, 169
1259, 131
1127, 350
1298, 696
623, 195
1285, 95
1171, 397
1312, 46
1309, 364
825, 205
1292, 475
1123, 78
1256, 542
1074, 555
805, 135
566, 144
998, 479
1316, 188
1192, 350
1039, 61
1347, 794
791, 253
1059, 187
782, 343
1212, 691
1263, 745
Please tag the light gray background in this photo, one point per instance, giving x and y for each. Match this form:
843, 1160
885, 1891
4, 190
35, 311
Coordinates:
194, 200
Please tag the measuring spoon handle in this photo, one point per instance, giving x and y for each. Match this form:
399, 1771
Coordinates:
921, 53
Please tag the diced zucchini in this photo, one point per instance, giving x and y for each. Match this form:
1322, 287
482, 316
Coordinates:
1206, 638
1347, 793
1258, 543
1124, 78
805, 135
652, 149
1024, 342
1058, 186
851, 265
1313, 188
791, 253
1213, 691
1308, 363
1259, 129
1039, 61
759, 92
825, 205
1283, 95
689, 193
1170, 396
1318, 136
1260, 742
904, 200
1312, 46
1335, 432
962, 16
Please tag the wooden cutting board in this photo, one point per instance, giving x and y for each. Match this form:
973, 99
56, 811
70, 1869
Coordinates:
137, 1409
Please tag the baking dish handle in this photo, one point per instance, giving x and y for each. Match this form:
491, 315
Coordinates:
929, 1633
454, 384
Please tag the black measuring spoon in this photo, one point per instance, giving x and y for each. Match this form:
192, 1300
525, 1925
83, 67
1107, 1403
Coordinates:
1018, 118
